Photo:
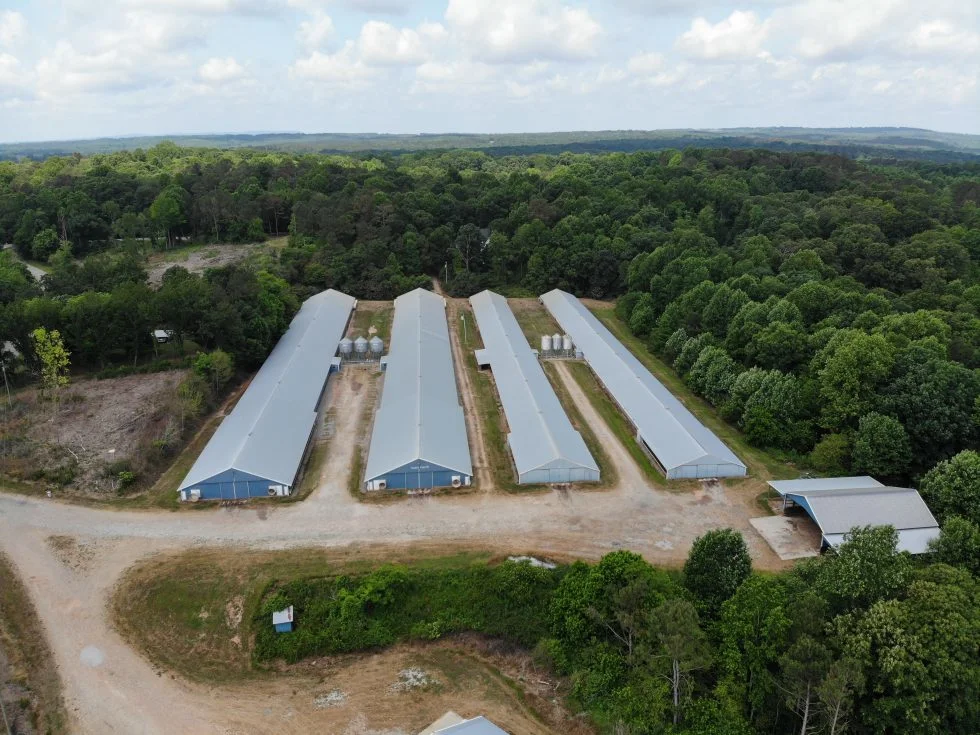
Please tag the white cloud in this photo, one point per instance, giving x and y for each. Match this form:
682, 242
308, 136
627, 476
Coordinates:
942, 37
69, 71
13, 28
523, 30
382, 44
827, 29
739, 36
645, 64
217, 71
313, 33
342, 69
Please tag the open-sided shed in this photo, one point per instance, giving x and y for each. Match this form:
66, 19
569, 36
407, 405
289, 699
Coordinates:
260, 446
838, 504
419, 436
682, 445
545, 446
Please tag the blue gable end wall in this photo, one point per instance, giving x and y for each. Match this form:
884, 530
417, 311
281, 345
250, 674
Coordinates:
419, 475
233, 484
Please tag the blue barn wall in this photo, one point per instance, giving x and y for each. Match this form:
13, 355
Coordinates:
233, 484
419, 475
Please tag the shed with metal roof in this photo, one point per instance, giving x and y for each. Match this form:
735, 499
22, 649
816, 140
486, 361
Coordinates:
838, 504
452, 724
419, 436
681, 445
545, 446
259, 448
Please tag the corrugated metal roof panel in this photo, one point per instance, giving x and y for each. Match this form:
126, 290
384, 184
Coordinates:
541, 434
267, 432
420, 416
816, 484
671, 431
477, 726
838, 511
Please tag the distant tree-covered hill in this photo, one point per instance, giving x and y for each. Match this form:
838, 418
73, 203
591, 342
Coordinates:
865, 143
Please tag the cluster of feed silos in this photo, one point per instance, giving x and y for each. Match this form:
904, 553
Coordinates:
361, 349
557, 345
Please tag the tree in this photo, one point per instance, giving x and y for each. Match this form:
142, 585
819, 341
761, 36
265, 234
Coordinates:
682, 643
54, 360
919, 656
952, 487
804, 666
837, 692
718, 563
168, 211
216, 367
958, 545
850, 369
881, 446
866, 568
753, 629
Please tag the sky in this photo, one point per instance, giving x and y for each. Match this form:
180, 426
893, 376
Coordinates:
73, 69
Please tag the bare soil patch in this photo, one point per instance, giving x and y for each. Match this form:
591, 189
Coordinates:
97, 429
196, 260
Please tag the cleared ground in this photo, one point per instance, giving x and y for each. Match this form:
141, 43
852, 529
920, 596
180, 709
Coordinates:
198, 258
79, 444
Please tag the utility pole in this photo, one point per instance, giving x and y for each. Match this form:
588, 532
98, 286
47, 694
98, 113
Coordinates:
6, 384
465, 340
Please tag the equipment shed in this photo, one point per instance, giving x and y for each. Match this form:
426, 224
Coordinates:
681, 444
260, 446
838, 504
419, 437
545, 446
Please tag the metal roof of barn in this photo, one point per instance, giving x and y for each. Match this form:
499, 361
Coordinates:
477, 726
267, 432
420, 417
540, 433
839, 504
667, 427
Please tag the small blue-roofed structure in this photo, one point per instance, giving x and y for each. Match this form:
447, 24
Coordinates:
260, 446
282, 620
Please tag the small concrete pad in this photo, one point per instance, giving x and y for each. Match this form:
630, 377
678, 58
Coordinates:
791, 537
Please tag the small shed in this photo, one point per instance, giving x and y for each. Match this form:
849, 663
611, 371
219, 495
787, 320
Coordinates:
282, 620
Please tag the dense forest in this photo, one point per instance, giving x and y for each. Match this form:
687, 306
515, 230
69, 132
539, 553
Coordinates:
863, 641
827, 307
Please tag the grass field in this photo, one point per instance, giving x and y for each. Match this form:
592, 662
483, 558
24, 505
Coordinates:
761, 464
22, 640
376, 314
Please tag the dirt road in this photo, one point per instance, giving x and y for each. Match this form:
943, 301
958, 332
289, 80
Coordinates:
110, 689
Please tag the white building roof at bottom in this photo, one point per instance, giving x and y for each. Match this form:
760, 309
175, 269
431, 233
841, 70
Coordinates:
266, 433
420, 417
477, 726
540, 433
671, 431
